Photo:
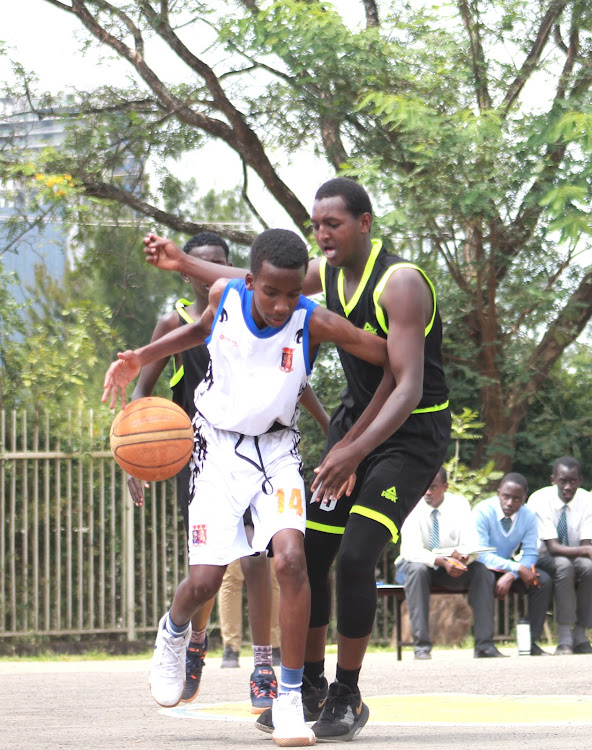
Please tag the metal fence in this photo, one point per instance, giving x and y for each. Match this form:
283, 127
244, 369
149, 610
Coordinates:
76, 556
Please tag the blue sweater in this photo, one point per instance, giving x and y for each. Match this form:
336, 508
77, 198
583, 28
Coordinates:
491, 534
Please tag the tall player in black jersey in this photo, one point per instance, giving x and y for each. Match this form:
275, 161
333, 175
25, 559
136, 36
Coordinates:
395, 438
397, 441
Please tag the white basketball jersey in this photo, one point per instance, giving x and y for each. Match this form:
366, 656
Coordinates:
256, 376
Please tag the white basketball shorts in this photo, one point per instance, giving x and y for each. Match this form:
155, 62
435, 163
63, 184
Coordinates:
229, 473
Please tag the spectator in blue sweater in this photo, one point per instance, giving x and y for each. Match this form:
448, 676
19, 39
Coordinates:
504, 523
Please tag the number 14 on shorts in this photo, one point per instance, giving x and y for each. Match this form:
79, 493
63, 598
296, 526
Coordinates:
294, 501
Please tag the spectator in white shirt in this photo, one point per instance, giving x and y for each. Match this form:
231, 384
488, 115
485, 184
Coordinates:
564, 517
440, 520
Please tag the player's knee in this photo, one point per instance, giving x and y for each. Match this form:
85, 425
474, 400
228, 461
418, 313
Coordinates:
290, 565
353, 561
203, 583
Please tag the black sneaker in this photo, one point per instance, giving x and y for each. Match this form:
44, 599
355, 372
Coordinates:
343, 715
313, 700
263, 689
194, 664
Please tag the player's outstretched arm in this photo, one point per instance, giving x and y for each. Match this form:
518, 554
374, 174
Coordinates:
129, 364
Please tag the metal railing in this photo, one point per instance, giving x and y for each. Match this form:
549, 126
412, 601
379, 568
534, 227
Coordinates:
76, 556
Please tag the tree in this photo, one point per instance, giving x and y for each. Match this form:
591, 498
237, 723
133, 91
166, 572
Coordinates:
471, 123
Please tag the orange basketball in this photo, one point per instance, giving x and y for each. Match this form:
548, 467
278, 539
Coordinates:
152, 438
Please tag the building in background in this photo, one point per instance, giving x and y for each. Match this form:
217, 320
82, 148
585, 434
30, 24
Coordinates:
24, 243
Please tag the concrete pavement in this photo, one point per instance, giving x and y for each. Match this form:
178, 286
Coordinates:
451, 702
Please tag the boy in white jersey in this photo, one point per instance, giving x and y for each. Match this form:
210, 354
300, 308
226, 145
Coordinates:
263, 336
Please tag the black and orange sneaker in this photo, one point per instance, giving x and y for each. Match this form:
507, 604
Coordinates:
263, 689
343, 715
194, 664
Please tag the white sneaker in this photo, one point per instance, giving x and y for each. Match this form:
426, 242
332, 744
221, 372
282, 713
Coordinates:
167, 673
290, 729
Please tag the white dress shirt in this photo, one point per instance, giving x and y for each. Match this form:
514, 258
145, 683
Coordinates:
547, 505
456, 527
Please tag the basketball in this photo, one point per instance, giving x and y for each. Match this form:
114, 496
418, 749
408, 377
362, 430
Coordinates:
152, 438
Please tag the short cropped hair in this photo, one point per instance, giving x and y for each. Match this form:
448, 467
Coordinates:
356, 199
281, 248
443, 474
569, 462
207, 238
516, 478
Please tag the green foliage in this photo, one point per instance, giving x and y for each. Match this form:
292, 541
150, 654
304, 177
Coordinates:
470, 123
473, 483
11, 329
560, 421
60, 353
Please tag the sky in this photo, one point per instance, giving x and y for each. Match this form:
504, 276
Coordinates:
49, 47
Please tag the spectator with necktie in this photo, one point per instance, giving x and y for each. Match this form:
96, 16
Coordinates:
564, 516
443, 520
504, 523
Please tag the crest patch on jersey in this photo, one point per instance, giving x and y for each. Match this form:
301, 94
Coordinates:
287, 359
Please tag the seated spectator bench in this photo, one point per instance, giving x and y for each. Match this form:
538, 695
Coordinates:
397, 592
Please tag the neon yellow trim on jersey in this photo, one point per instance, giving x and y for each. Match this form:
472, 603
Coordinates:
177, 376
379, 288
349, 306
180, 306
379, 518
438, 407
323, 527
322, 273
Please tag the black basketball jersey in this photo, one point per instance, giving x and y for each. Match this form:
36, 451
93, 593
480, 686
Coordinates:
364, 311
192, 371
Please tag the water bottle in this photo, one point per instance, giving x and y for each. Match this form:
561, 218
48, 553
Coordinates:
523, 638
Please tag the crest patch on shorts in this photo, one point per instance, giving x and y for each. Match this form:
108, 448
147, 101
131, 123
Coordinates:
199, 534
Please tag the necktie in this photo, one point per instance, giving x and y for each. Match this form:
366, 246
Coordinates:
435, 532
562, 527
506, 523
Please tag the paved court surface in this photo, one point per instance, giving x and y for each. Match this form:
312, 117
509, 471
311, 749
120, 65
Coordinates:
452, 702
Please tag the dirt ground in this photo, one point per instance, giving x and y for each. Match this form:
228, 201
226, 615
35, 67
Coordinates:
451, 702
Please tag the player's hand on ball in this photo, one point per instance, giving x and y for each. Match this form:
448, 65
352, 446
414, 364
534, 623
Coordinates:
162, 253
120, 373
136, 489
